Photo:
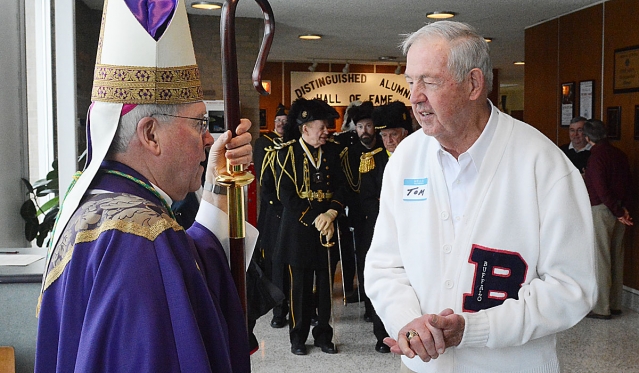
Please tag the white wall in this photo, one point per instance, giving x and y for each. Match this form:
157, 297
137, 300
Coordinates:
13, 117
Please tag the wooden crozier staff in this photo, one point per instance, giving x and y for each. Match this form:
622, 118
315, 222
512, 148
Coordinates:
236, 177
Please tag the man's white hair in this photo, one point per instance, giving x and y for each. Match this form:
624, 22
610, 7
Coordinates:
468, 49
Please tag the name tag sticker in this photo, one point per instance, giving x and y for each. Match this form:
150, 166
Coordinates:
415, 189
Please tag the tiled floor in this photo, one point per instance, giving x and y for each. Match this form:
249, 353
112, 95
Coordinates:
608, 346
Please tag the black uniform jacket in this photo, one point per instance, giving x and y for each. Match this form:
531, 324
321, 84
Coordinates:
262, 143
306, 192
268, 222
351, 160
371, 188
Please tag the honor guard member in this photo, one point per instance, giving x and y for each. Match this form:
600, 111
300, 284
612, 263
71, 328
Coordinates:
268, 222
266, 140
394, 123
346, 138
310, 185
367, 139
126, 288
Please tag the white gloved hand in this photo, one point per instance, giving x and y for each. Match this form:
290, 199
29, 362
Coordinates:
323, 220
328, 232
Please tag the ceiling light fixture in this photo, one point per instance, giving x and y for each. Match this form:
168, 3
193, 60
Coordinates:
346, 68
488, 39
441, 15
206, 5
312, 67
519, 63
398, 70
310, 37
387, 58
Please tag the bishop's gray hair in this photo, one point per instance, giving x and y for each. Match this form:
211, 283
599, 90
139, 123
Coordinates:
128, 123
468, 49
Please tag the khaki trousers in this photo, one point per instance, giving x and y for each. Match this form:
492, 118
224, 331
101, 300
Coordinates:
609, 250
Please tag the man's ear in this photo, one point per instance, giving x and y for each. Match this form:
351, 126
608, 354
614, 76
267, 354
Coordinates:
477, 83
147, 134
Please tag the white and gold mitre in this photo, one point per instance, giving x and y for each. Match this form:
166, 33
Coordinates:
145, 54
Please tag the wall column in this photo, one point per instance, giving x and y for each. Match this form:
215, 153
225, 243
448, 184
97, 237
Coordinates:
13, 122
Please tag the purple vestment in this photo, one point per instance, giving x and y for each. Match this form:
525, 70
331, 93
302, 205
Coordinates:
128, 290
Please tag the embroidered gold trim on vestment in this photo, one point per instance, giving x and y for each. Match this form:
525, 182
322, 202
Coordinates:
146, 85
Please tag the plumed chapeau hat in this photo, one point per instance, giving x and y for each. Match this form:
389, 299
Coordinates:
145, 56
347, 123
393, 115
281, 110
304, 111
361, 112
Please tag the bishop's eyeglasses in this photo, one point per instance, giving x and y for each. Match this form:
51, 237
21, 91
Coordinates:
202, 123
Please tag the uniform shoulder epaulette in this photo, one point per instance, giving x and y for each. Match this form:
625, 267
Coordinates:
266, 135
367, 162
271, 136
343, 152
283, 144
277, 142
331, 139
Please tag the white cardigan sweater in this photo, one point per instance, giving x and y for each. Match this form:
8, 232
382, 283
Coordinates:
530, 203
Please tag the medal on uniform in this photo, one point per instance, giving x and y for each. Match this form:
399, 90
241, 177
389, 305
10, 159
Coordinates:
318, 177
316, 162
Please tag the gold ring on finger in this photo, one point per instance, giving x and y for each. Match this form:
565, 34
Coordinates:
411, 334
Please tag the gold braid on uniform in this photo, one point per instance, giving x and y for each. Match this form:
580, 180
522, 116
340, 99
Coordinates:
367, 162
267, 136
282, 145
348, 172
290, 157
268, 162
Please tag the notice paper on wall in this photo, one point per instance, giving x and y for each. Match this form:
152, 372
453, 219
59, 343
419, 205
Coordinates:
7, 259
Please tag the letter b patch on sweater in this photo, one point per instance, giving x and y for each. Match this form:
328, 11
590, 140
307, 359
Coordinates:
499, 275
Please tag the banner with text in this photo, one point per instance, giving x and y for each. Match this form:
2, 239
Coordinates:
339, 89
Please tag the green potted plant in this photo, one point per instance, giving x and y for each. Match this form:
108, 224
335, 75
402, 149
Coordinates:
39, 219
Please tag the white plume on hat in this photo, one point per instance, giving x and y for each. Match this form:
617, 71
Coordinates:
347, 124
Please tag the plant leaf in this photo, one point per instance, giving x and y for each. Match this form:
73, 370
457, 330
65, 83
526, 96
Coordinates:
43, 232
31, 229
53, 202
40, 238
49, 218
27, 184
46, 192
52, 175
28, 210
40, 183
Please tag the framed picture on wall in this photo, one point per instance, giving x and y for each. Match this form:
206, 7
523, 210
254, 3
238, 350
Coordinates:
626, 70
567, 103
636, 122
586, 98
613, 121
